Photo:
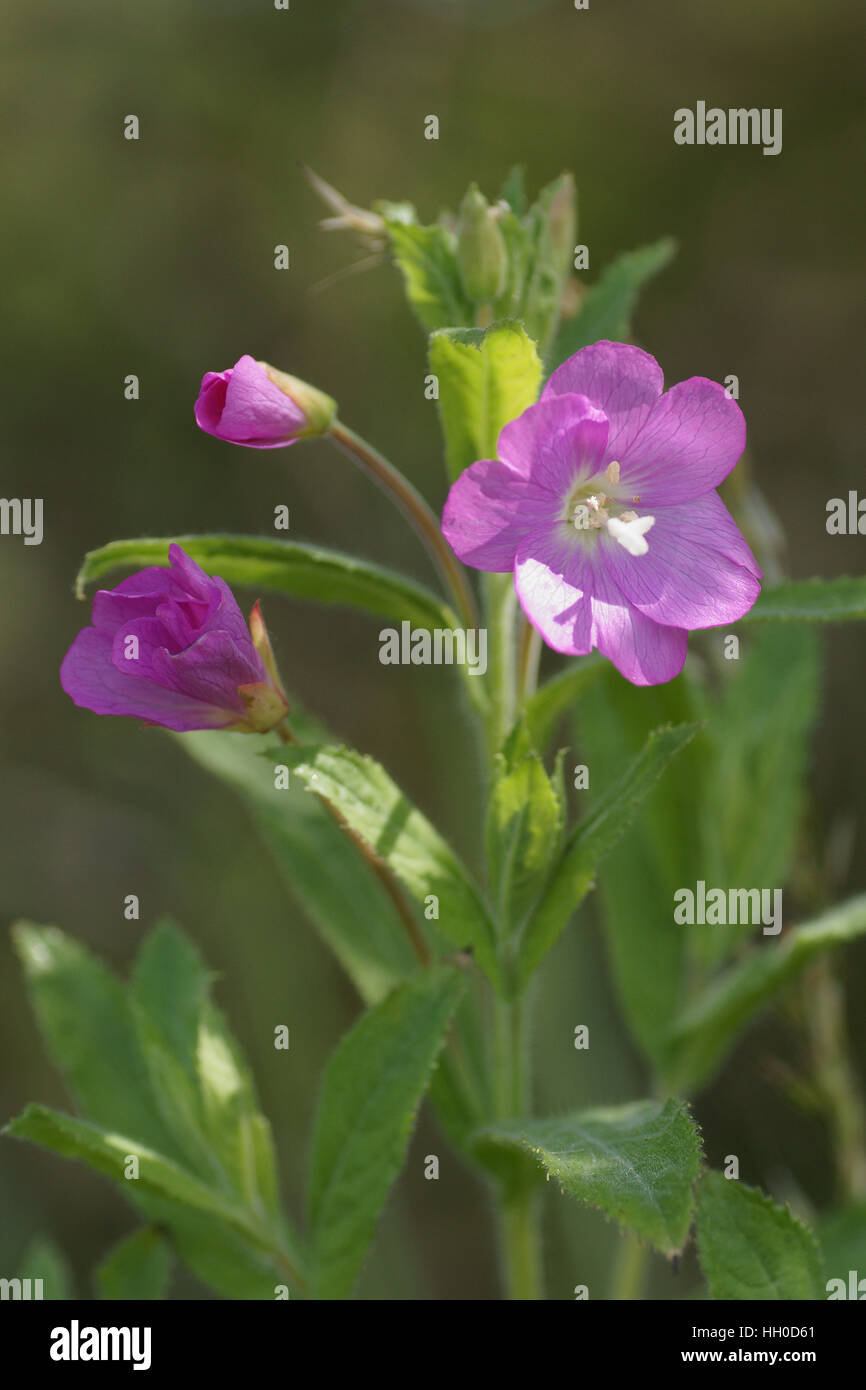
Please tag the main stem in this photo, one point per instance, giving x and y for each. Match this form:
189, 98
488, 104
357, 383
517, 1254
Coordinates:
413, 506
382, 871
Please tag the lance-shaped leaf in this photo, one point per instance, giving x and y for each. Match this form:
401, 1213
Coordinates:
638, 1163
372, 1088
704, 1033
749, 1247
659, 852
283, 567
138, 1268
319, 865
759, 737
376, 810
524, 824
487, 377
811, 601
608, 306
90, 1033
427, 258
109, 1152
573, 874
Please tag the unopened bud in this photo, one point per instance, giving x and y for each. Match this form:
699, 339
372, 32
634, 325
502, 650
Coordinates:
482, 258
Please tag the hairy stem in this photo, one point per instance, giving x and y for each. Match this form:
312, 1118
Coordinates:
416, 509
835, 1078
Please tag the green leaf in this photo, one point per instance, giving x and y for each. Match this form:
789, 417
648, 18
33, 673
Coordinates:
90, 1032
704, 1033
377, 811
486, 379
427, 258
138, 1268
220, 1257
513, 190
759, 736
659, 852
371, 1091
608, 306
320, 866
557, 696
842, 1236
573, 875
107, 1151
751, 1248
638, 1163
284, 567
44, 1260
811, 601
524, 824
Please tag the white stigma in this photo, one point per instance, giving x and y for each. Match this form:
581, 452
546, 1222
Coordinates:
630, 530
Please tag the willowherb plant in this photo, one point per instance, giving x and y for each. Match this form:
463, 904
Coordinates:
586, 493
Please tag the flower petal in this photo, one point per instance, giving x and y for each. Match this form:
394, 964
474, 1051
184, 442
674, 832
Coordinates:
93, 682
643, 651
487, 512
553, 577
566, 592
556, 443
692, 439
698, 570
243, 406
621, 380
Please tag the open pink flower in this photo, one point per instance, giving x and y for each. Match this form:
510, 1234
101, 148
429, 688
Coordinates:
602, 501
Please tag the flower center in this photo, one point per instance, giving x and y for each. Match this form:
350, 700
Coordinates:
589, 508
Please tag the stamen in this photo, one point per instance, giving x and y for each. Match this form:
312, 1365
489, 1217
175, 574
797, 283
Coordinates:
612, 472
630, 533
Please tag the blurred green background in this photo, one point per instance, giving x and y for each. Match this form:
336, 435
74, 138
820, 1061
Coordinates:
156, 258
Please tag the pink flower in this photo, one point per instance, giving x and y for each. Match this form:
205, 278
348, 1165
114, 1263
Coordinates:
170, 646
602, 501
254, 404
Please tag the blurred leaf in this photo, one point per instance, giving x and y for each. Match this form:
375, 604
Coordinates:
513, 190
608, 306
427, 258
285, 567
199, 1072
638, 1163
518, 250
524, 824
754, 795
551, 224
658, 854
751, 1248
90, 1033
371, 1091
217, 1158
377, 811
811, 600
106, 1151
486, 379
44, 1260
842, 1236
138, 1268
573, 875
553, 699
319, 865
709, 1027
220, 1257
